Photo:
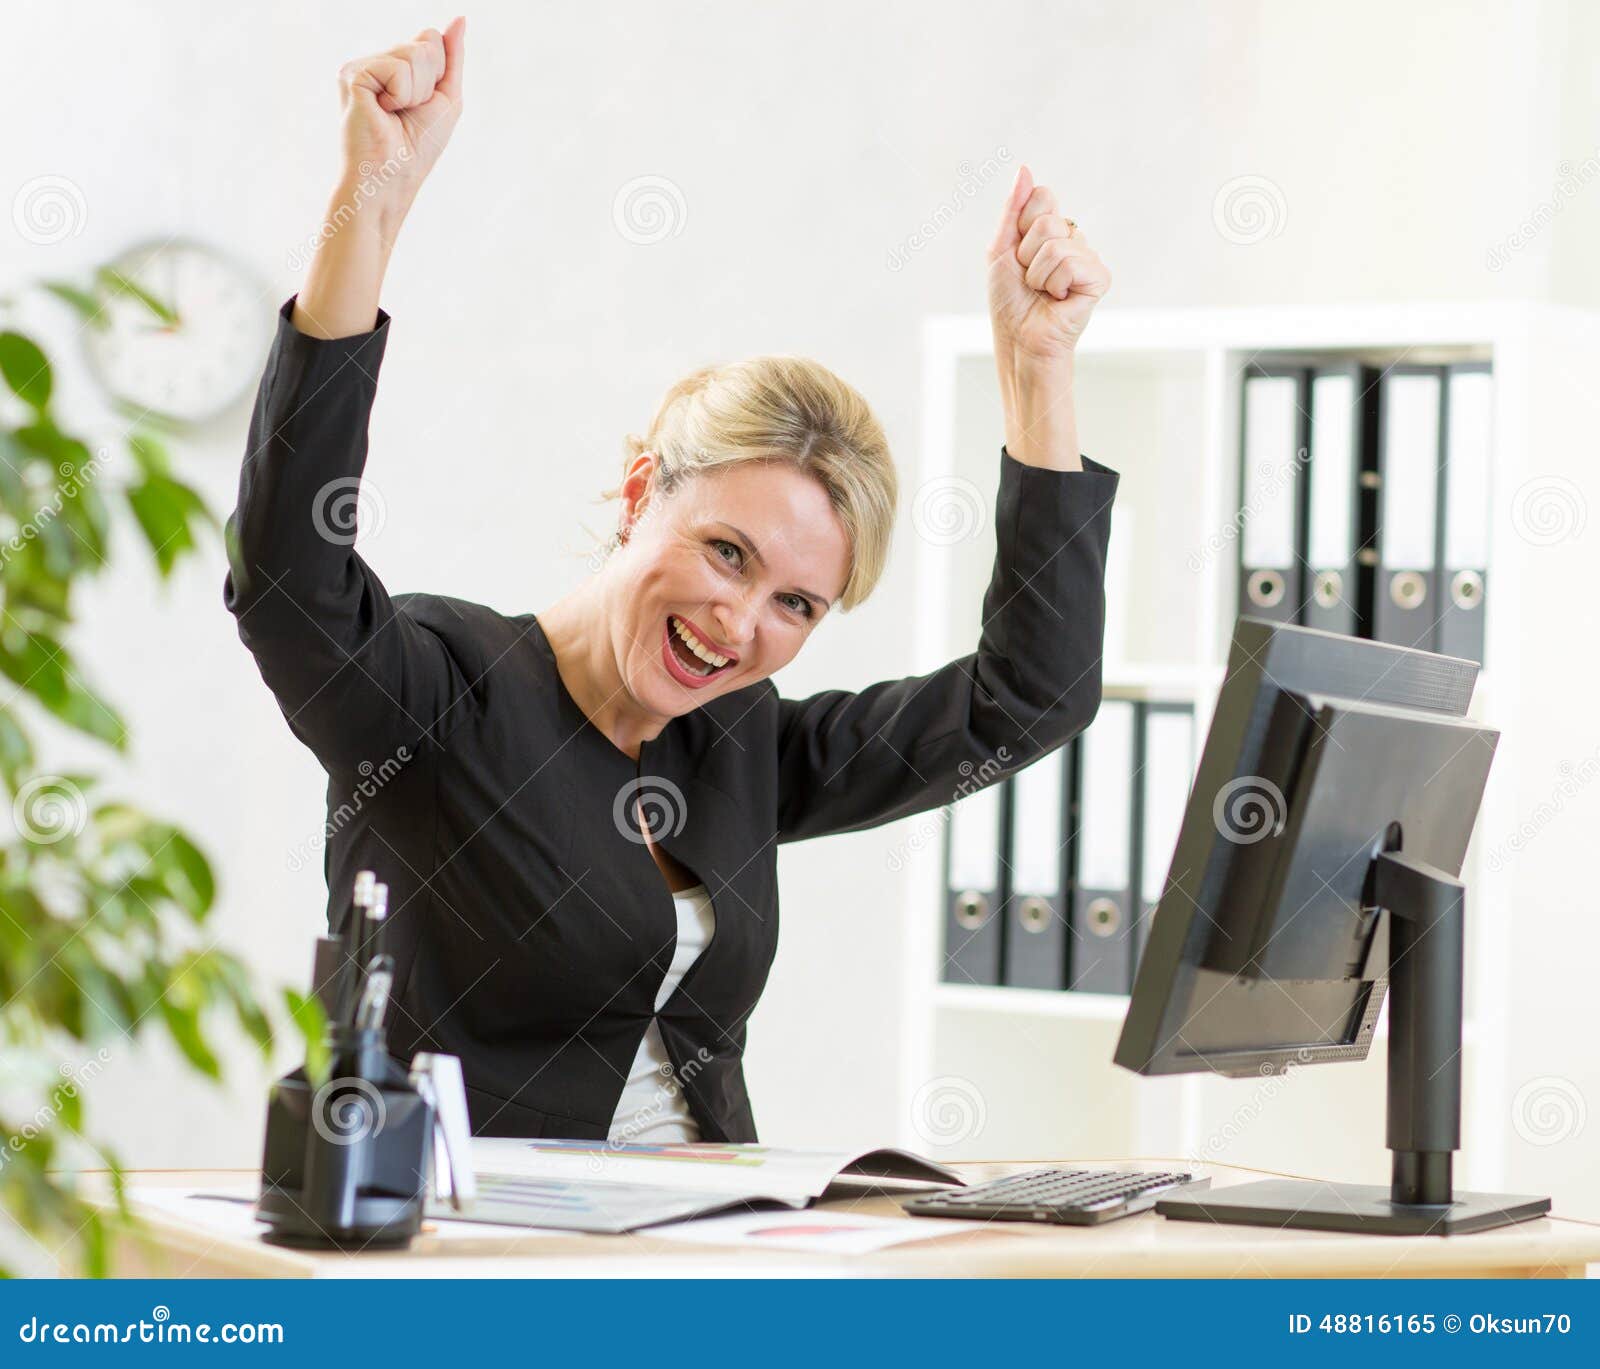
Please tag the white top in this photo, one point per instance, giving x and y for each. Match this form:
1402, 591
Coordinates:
652, 1106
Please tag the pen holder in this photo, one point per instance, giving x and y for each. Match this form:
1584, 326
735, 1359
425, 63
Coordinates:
345, 1165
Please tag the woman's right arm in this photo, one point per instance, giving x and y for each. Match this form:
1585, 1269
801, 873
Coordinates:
354, 677
398, 109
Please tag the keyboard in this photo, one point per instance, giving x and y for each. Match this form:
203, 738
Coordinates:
1069, 1197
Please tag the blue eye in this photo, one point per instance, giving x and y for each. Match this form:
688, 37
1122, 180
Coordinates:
718, 543
798, 604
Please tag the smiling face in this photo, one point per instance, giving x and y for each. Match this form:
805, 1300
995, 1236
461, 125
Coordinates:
721, 581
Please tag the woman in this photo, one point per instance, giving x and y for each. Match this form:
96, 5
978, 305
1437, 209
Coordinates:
580, 810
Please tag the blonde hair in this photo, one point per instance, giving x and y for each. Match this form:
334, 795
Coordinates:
789, 409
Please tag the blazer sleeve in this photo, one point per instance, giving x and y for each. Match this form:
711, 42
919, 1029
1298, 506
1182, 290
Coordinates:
847, 761
356, 678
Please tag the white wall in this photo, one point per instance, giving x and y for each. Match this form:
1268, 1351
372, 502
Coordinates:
1395, 146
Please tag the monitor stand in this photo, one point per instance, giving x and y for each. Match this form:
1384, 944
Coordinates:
1427, 911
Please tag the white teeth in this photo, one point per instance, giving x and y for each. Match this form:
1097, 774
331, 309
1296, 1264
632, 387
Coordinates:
695, 645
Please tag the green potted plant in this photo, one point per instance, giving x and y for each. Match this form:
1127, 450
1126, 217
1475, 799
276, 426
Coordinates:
103, 908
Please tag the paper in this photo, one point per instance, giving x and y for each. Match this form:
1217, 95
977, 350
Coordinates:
1467, 471
1333, 471
975, 841
230, 1211
583, 1205
1410, 471
1271, 427
1168, 770
1036, 820
1104, 833
226, 1218
817, 1230
736, 1171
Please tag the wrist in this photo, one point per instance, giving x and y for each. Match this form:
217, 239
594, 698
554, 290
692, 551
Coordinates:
1040, 415
1031, 376
344, 279
1036, 370
365, 202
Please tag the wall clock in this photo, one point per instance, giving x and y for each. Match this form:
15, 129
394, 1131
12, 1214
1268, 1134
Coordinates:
201, 363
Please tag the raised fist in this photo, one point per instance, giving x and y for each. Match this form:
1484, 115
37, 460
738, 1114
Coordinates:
1044, 278
400, 107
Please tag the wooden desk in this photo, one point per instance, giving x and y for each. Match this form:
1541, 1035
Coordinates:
1146, 1246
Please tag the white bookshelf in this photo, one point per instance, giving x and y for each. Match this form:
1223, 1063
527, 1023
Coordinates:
1158, 395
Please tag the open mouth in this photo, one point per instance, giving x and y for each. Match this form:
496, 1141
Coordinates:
690, 659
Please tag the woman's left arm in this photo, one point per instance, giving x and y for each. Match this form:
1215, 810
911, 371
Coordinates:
852, 760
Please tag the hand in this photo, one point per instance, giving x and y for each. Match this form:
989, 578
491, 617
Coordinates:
399, 109
1044, 278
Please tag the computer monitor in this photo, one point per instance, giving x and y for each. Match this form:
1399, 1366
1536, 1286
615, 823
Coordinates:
1316, 870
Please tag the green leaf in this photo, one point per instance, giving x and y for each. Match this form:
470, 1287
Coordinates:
235, 982
96, 1247
31, 591
186, 872
152, 457
119, 821
68, 1100
13, 492
59, 548
183, 1024
119, 1182
119, 284
16, 751
42, 667
103, 991
64, 452
25, 369
84, 514
305, 1011
166, 510
87, 305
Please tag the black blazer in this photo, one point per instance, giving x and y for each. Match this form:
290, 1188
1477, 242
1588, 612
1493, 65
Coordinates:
531, 929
